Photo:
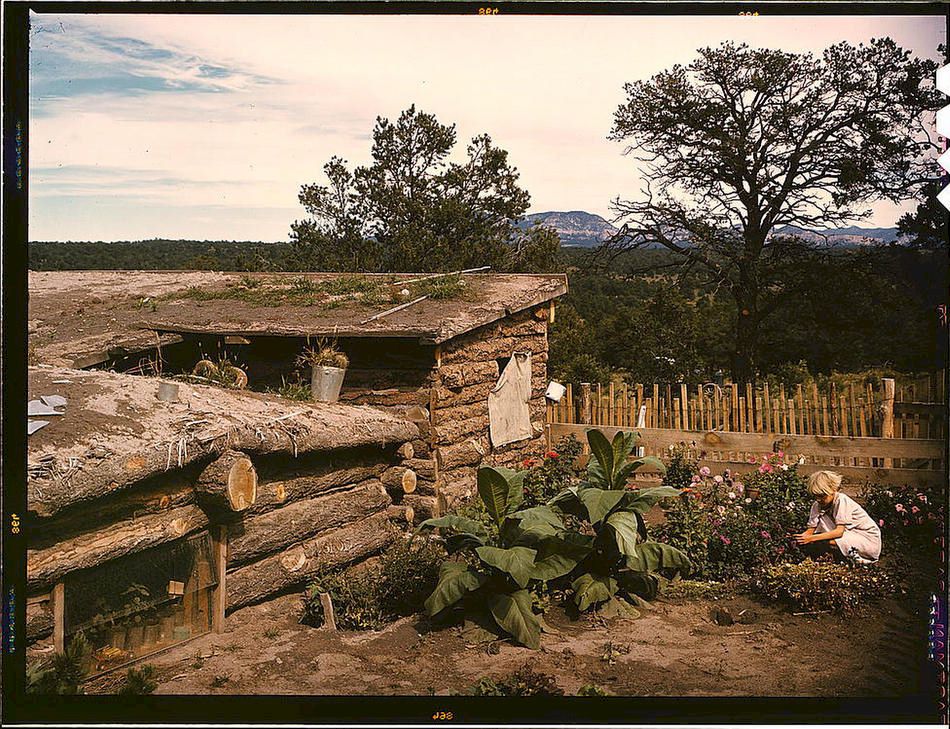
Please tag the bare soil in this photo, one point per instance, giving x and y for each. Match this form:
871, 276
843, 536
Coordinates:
675, 649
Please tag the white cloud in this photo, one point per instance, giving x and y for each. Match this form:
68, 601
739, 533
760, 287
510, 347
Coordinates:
284, 93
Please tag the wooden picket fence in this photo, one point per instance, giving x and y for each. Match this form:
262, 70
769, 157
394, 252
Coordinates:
854, 428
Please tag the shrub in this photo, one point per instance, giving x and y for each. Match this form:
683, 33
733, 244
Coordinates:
549, 475
681, 465
591, 690
355, 597
523, 682
408, 572
62, 673
367, 599
825, 586
140, 681
729, 528
907, 515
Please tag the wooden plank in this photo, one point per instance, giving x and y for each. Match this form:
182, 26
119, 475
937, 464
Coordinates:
742, 423
625, 408
767, 404
825, 430
612, 405
219, 595
571, 418
586, 406
655, 420
792, 425
660, 438
677, 421
59, 617
749, 402
800, 405
887, 410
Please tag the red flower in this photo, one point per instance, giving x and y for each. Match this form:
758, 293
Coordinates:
551, 454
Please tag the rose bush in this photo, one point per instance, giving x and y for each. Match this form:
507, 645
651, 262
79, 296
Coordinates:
729, 525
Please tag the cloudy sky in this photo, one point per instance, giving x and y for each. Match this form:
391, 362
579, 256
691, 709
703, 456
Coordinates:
204, 126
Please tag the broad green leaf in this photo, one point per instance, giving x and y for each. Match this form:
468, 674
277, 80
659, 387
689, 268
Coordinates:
493, 488
652, 461
514, 614
457, 542
616, 607
602, 451
625, 527
639, 584
654, 556
516, 561
557, 557
512, 534
590, 590
458, 523
622, 446
515, 481
455, 580
645, 499
539, 515
596, 475
568, 502
599, 502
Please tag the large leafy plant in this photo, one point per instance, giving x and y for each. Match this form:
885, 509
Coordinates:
618, 563
490, 585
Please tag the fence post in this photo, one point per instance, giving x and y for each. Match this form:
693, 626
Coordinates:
585, 403
887, 414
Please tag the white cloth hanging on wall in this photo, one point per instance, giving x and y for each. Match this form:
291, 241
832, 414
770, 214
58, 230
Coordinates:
509, 417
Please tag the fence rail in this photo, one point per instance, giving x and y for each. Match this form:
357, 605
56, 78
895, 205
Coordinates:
873, 433
857, 459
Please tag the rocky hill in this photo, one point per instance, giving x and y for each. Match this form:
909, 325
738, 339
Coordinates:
576, 228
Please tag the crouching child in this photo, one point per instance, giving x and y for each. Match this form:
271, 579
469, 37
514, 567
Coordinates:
838, 525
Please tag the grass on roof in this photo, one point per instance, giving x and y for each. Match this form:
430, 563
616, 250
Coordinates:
328, 294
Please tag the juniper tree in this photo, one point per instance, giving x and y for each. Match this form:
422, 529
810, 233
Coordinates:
743, 142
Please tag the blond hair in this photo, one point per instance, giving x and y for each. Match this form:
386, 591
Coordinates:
823, 483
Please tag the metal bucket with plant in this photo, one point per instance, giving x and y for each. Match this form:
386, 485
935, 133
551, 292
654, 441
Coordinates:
327, 365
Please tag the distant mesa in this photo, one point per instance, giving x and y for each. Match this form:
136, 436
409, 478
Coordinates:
579, 229
576, 229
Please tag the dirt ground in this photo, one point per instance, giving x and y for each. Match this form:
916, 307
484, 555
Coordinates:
674, 649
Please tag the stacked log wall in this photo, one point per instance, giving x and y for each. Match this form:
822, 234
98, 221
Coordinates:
468, 371
317, 511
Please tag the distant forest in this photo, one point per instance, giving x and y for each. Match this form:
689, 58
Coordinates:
861, 308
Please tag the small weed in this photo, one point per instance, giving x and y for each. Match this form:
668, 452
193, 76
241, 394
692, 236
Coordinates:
249, 282
612, 650
443, 287
591, 689
199, 662
271, 633
696, 590
219, 681
292, 390
523, 682
140, 681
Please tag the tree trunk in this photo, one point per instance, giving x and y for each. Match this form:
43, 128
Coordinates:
116, 540
295, 566
272, 494
747, 327
252, 538
228, 485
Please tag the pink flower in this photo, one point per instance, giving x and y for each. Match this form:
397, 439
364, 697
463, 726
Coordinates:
914, 509
704, 471
717, 479
751, 460
780, 550
765, 468
881, 522
765, 534
739, 487
899, 508
922, 497
725, 540
781, 454
696, 479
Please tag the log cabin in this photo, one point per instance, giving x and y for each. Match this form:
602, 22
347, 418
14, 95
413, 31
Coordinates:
150, 518
465, 362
